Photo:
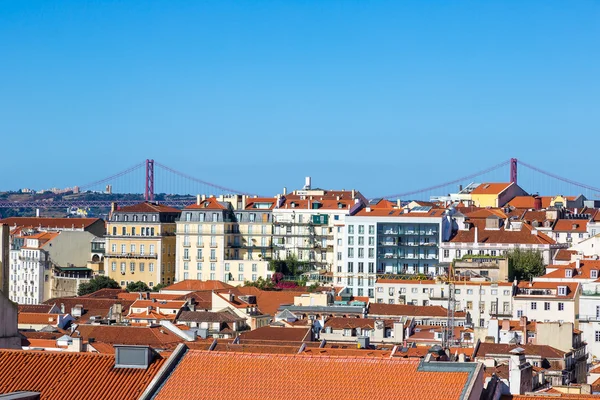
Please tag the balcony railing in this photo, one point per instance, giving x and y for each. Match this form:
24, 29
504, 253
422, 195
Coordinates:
501, 313
132, 255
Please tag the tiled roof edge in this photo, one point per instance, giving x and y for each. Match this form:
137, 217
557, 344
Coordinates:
165, 371
472, 368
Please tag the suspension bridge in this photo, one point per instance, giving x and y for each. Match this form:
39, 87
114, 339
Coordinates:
178, 189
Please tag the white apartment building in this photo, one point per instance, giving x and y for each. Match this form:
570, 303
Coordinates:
226, 238
570, 231
37, 258
589, 318
310, 225
495, 237
482, 300
547, 301
393, 241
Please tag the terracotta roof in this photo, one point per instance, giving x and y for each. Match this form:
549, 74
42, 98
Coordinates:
147, 207
91, 306
572, 288
151, 315
570, 225
156, 337
105, 293
353, 323
38, 319
168, 304
542, 396
35, 308
43, 335
564, 255
324, 203
502, 235
542, 350
278, 334
584, 271
43, 239
385, 212
39, 343
194, 285
407, 281
133, 296
486, 212
251, 202
529, 201
268, 301
491, 188
410, 310
66, 375
210, 203
218, 373
530, 216
59, 223
206, 316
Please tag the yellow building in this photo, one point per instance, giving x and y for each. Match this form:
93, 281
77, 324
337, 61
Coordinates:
226, 238
495, 194
140, 244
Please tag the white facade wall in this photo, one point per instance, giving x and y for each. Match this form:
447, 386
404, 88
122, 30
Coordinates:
452, 250
589, 318
29, 270
546, 309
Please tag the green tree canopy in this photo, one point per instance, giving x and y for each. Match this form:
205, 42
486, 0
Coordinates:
138, 286
524, 265
158, 287
291, 266
97, 283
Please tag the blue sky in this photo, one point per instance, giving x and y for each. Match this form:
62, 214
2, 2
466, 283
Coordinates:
383, 96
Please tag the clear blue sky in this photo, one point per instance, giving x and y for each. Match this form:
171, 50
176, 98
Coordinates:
383, 96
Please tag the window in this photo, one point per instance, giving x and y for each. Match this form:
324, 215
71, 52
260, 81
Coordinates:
339, 255
494, 292
226, 266
414, 290
371, 241
361, 229
186, 275
481, 322
114, 230
351, 229
456, 291
113, 266
469, 291
568, 273
457, 253
519, 313
254, 267
241, 267
493, 253
241, 277
446, 253
361, 253
124, 231
371, 267
507, 292
533, 305
361, 240
469, 305
371, 253
350, 240
597, 336
594, 273
199, 276
152, 249
113, 248
142, 266
391, 301
132, 267
350, 252
123, 266
213, 267
361, 267
561, 306
482, 291
151, 267
546, 306
123, 249
199, 266
350, 267
186, 266
562, 290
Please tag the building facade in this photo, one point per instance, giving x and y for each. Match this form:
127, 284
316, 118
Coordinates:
140, 244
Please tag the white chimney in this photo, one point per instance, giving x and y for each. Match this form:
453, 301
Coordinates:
307, 183
578, 263
398, 203
476, 240
520, 372
284, 191
37, 212
353, 193
198, 200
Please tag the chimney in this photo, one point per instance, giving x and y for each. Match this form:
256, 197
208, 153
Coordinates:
37, 212
368, 209
113, 207
520, 372
284, 191
198, 200
148, 295
505, 325
476, 240
203, 197
398, 203
537, 203
307, 183
578, 263
353, 193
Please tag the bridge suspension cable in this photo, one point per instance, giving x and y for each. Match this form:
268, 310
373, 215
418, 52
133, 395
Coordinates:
560, 178
112, 177
186, 176
453, 182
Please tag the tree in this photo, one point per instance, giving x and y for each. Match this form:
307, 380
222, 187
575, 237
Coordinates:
260, 283
138, 286
97, 283
158, 287
525, 264
291, 266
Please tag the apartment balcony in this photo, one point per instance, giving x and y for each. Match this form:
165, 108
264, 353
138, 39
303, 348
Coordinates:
589, 318
234, 245
132, 255
213, 259
22, 258
501, 313
187, 259
389, 244
214, 245
442, 296
186, 244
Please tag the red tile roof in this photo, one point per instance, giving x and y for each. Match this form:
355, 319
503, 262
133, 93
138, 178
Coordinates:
168, 304
572, 288
252, 202
91, 306
156, 337
564, 255
542, 350
210, 203
105, 293
584, 271
226, 375
38, 319
278, 334
147, 207
386, 212
35, 308
570, 225
193, 285
529, 201
133, 296
59, 376
502, 235
491, 188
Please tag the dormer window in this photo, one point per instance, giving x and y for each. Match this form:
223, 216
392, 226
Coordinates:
568, 273
562, 290
594, 273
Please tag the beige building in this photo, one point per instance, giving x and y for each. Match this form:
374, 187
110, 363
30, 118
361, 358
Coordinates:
140, 244
226, 238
